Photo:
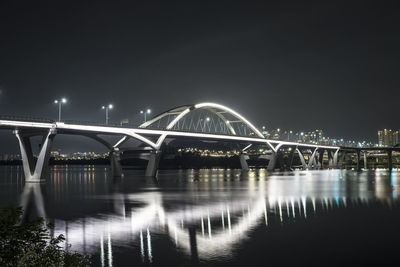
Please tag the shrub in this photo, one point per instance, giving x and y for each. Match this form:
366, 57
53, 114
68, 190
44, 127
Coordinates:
30, 243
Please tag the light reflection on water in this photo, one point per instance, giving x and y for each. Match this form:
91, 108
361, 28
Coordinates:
206, 215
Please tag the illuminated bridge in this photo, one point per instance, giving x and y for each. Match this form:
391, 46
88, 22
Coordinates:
209, 122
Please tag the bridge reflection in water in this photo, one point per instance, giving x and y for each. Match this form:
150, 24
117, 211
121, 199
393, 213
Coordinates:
205, 213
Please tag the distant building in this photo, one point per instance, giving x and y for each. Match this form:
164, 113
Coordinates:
315, 136
387, 137
396, 137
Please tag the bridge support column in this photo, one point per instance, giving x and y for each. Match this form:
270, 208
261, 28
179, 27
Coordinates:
312, 160
342, 159
35, 173
303, 161
272, 161
390, 162
358, 160
243, 162
152, 165
330, 159
365, 161
290, 159
335, 159
321, 159
115, 162
315, 163
282, 164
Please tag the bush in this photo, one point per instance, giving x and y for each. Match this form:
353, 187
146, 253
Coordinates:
29, 243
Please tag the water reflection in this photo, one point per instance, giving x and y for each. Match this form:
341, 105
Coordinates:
204, 214
32, 201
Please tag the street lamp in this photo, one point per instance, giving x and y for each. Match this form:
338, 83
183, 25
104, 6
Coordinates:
148, 111
288, 135
60, 102
110, 106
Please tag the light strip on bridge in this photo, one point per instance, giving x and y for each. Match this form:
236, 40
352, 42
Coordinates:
134, 133
117, 130
26, 124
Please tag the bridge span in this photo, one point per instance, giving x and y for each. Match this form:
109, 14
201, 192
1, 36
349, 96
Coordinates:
204, 121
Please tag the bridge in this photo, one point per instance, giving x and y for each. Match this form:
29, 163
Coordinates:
205, 121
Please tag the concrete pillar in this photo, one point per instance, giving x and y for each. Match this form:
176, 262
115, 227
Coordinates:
315, 163
152, 165
321, 158
330, 159
335, 159
115, 162
38, 172
303, 162
290, 159
390, 162
342, 159
358, 160
365, 161
26, 144
272, 161
243, 162
281, 161
312, 160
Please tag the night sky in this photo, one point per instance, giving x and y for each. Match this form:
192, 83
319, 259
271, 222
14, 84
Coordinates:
331, 65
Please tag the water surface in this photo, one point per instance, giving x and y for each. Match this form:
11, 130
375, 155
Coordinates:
217, 217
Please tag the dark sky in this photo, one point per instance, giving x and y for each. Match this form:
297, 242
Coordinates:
332, 65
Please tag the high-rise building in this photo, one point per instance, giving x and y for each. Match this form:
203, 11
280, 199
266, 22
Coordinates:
315, 136
387, 137
396, 137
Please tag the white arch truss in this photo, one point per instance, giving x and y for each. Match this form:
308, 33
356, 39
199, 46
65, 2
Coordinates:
182, 111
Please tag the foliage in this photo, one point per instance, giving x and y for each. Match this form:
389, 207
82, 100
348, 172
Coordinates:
30, 243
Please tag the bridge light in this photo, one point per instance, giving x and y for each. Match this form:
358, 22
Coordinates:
60, 102
208, 119
145, 112
107, 108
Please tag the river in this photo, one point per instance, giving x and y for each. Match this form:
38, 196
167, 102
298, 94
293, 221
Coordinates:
217, 217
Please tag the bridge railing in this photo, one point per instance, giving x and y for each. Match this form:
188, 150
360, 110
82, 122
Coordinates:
25, 118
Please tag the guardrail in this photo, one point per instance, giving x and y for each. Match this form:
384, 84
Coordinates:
25, 118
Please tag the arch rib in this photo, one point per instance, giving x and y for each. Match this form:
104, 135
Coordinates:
184, 110
231, 111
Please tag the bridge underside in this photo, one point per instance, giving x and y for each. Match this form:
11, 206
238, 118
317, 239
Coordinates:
283, 156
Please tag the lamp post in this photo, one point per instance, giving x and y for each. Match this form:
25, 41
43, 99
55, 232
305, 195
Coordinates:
106, 108
148, 111
288, 135
60, 102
